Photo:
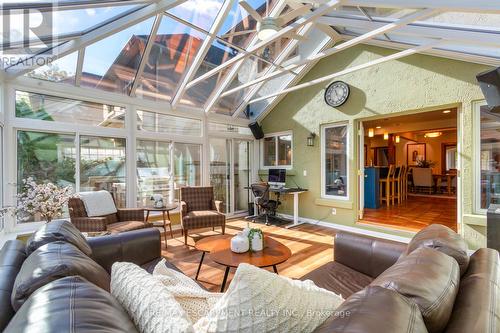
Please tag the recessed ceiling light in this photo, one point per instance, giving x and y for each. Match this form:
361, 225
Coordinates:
446, 111
379, 127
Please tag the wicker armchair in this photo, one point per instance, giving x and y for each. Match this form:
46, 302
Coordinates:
125, 219
200, 210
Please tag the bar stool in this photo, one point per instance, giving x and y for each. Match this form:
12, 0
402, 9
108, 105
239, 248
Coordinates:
386, 183
396, 185
404, 183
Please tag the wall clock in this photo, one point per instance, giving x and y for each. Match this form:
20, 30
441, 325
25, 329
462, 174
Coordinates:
337, 93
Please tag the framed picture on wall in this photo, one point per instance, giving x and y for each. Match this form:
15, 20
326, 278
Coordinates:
415, 152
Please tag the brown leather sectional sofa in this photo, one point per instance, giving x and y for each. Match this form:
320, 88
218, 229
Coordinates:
430, 285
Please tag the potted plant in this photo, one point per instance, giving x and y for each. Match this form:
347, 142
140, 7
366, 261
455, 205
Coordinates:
47, 200
425, 163
256, 238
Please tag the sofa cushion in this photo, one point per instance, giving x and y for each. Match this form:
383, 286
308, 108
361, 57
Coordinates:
118, 227
338, 278
477, 306
71, 304
430, 279
53, 261
375, 310
443, 239
58, 230
12, 257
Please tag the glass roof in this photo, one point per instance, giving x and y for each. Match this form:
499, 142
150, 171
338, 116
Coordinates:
183, 60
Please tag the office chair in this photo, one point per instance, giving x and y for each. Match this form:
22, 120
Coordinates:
261, 199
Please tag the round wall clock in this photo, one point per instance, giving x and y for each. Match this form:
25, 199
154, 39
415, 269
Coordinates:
337, 93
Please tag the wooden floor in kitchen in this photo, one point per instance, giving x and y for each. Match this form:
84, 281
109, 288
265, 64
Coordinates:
311, 247
415, 213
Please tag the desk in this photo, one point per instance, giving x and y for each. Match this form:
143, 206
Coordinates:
295, 192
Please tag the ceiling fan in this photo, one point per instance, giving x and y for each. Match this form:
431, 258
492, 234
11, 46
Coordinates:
267, 26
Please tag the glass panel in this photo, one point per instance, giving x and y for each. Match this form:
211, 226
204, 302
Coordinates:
111, 63
201, 13
187, 164
219, 171
163, 123
45, 157
251, 69
490, 158
373, 11
238, 22
102, 166
61, 70
227, 128
154, 172
52, 108
172, 54
241, 169
216, 55
269, 151
336, 161
285, 149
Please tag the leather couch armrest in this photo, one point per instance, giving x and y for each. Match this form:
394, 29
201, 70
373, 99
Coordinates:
137, 246
368, 255
90, 224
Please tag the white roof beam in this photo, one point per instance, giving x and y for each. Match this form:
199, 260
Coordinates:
341, 47
215, 95
420, 30
68, 5
483, 6
398, 55
322, 10
95, 35
79, 67
145, 55
205, 47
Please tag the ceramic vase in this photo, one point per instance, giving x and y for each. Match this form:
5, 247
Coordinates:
240, 243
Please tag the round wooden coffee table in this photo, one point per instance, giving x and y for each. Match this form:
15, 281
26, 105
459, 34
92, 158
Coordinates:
205, 245
274, 253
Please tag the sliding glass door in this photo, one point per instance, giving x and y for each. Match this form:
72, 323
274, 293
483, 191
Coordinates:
230, 172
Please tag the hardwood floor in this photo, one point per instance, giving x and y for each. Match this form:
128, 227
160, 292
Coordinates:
311, 246
415, 213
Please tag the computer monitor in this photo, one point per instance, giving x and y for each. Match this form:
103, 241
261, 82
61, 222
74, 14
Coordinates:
277, 177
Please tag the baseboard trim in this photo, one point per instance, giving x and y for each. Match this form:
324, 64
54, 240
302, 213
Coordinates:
359, 231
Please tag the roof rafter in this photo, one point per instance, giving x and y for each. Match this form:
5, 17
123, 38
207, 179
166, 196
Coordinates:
111, 27
355, 41
322, 10
68, 5
398, 55
205, 47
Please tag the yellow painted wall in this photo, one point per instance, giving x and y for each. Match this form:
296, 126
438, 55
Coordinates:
415, 83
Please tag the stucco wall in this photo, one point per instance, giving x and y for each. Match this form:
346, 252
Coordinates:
415, 83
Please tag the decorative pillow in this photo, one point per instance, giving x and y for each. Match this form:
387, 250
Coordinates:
71, 304
147, 301
53, 261
195, 300
98, 203
58, 230
442, 239
261, 301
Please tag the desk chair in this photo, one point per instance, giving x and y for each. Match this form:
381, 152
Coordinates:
260, 192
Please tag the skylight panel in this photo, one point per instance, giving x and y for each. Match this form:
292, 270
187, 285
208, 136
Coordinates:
201, 13
60, 70
468, 20
111, 63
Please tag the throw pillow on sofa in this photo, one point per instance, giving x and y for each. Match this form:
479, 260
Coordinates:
442, 239
147, 301
58, 230
71, 304
193, 299
261, 301
430, 279
53, 261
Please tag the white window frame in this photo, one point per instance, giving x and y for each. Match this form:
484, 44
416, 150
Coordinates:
275, 135
348, 159
476, 152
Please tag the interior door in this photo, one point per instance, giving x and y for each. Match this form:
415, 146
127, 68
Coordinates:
361, 170
241, 174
